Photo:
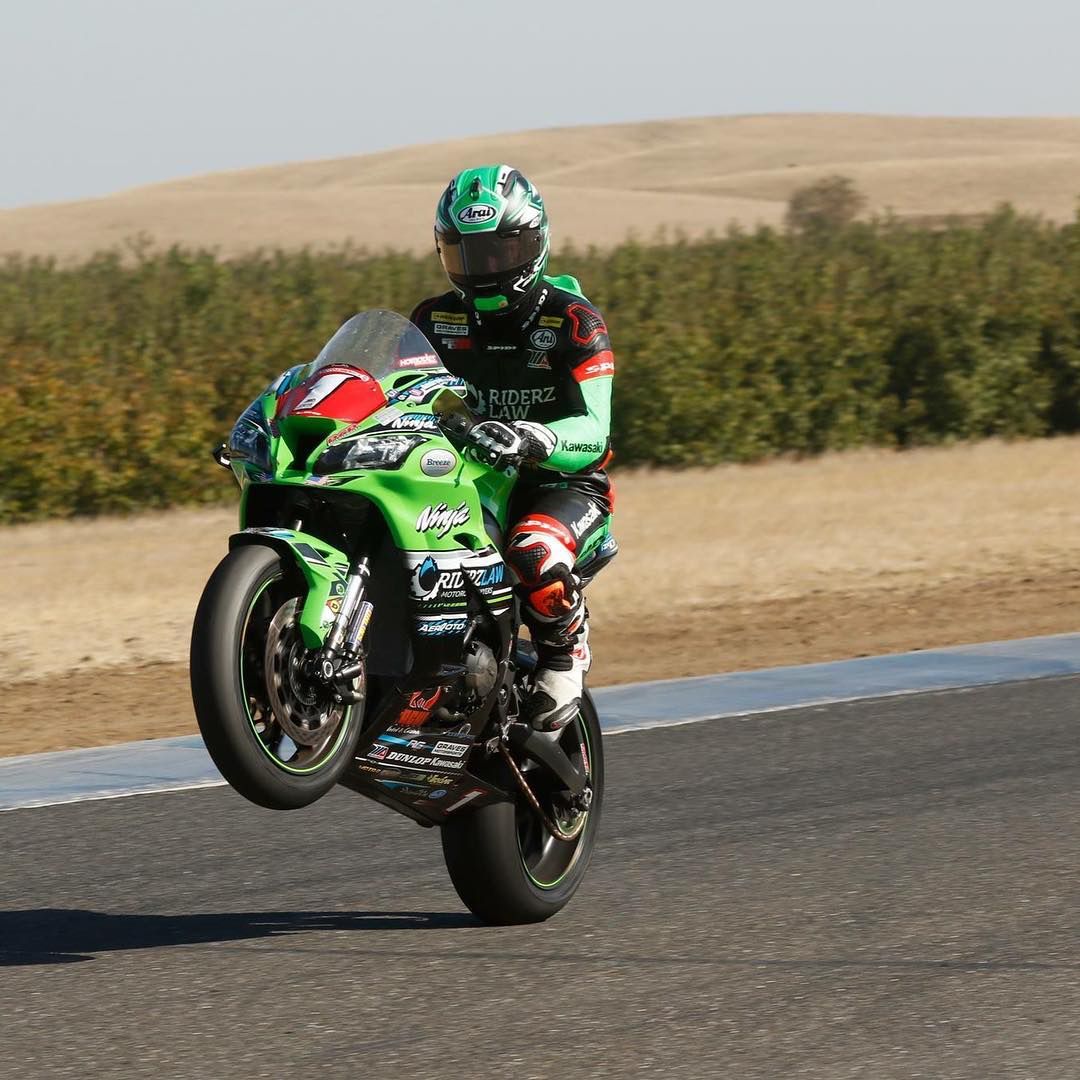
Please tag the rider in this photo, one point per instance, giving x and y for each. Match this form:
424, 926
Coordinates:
537, 363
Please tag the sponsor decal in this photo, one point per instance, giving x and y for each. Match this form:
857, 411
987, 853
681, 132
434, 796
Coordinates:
601, 364
420, 704
371, 770
514, 404
458, 318
423, 762
489, 576
442, 627
584, 447
476, 214
442, 518
425, 389
413, 422
451, 749
438, 462
543, 339
539, 360
437, 780
430, 580
423, 360
492, 346
550, 321
581, 526
324, 481
345, 432
450, 328
438, 793
378, 752
457, 343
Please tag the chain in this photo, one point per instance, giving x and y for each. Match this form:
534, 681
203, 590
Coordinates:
550, 825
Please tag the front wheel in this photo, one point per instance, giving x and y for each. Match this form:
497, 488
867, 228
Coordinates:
275, 734
505, 864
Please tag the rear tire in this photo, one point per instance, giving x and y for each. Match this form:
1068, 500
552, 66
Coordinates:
495, 854
255, 593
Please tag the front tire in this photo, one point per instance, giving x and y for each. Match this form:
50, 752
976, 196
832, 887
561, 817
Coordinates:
505, 866
278, 740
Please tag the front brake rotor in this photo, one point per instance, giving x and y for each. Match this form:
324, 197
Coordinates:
303, 708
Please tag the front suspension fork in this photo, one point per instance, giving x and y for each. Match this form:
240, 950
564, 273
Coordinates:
341, 659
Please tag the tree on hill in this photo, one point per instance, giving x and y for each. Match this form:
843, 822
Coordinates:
826, 204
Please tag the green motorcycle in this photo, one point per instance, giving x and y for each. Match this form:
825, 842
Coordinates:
362, 629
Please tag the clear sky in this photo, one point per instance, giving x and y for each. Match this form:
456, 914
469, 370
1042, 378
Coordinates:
98, 95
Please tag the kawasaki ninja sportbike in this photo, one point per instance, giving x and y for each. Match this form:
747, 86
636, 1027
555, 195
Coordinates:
362, 629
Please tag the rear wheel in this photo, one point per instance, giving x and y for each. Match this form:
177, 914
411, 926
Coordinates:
276, 735
505, 864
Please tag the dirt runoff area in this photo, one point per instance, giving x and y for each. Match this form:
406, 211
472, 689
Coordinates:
723, 569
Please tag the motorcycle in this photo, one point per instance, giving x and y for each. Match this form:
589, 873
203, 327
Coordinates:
370, 520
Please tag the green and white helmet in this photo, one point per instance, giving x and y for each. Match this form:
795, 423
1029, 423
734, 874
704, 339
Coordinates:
491, 232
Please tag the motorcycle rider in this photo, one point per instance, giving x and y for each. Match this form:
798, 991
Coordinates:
538, 365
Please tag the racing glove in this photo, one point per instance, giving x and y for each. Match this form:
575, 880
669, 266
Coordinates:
538, 441
495, 444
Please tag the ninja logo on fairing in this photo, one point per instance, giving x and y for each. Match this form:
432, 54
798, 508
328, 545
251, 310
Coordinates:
414, 422
441, 519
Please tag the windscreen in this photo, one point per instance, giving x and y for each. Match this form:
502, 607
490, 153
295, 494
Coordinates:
381, 342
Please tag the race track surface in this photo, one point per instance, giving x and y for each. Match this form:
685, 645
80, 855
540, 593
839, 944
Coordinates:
882, 889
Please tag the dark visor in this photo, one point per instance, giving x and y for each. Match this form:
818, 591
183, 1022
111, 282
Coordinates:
489, 255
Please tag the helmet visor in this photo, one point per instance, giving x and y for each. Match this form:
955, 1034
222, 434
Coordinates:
488, 256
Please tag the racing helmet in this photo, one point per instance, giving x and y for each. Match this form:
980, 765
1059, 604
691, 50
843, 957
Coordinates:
491, 233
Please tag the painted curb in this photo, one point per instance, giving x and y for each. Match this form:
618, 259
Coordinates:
161, 765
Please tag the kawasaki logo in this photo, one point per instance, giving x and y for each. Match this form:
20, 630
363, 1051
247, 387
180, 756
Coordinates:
582, 524
475, 214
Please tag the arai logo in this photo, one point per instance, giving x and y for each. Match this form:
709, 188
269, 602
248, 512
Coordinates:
437, 463
475, 214
543, 339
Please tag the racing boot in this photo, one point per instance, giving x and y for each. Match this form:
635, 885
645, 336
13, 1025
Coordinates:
559, 679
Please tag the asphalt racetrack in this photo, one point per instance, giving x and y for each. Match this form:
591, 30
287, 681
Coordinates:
875, 889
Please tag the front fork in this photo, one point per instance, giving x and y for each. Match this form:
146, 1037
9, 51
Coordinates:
341, 658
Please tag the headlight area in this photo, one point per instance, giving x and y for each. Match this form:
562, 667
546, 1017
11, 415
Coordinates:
368, 452
250, 440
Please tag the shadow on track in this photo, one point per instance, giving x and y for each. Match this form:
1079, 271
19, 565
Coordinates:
66, 936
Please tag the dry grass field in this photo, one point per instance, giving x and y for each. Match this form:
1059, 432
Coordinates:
729, 568
693, 175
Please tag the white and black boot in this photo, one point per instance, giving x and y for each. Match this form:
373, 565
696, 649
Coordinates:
559, 681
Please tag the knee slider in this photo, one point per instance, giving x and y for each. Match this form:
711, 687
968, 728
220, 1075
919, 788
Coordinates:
539, 547
554, 597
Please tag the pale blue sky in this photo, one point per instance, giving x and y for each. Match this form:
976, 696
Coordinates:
98, 95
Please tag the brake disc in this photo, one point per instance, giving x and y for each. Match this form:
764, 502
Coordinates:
303, 708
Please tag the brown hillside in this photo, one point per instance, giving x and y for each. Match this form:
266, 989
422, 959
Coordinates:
600, 182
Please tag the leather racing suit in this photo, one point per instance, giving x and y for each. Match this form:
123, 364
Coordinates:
547, 369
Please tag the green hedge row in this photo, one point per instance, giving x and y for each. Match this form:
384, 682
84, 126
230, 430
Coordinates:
116, 375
